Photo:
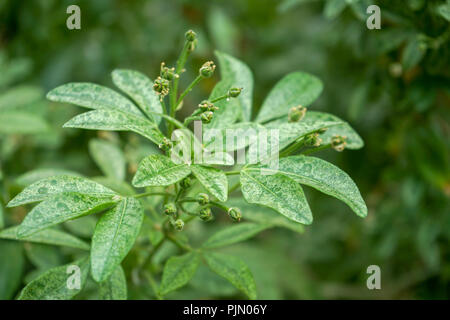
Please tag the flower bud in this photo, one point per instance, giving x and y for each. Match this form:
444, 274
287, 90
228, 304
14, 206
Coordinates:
313, 140
296, 113
235, 214
205, 105
338, 143
202, 199
192, 45
170, 208
161, 86
178, 224
185, 183
166, 144
322, 130
207, 116
205, 214
207, 69
190, 35
234, 92
167, 73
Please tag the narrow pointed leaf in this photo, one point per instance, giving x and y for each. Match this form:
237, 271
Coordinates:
140, 88
277, 192
297, 88
51, 186
56, 284
234, 270
115, 287
214, 180
93, 96
234, 234
46, 236
178, 271
159, 170
108, 157
114, 236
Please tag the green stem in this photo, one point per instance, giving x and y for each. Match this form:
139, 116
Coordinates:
225, 96
325, 146
233, 188
147, 194
178, 243
188, 89
231, 173
190, 119
153, 285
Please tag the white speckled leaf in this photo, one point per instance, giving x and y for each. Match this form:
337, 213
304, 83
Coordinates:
114, 236
46, 236
234, 270
60, 208
51, 186
241, 133
140, 88
115, 287
93, 96
108, 157
234, 234
114, 120
276, 191
325, 177
178, 271
52, 285
159, 170
297, 88
214, 180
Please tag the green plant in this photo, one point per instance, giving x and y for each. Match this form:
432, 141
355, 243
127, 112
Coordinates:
177, 193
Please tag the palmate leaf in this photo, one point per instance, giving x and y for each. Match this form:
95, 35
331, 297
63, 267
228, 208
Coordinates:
214, 180
323, 176
178, 271
108, 157
115, 287
234, 270
47, 236
19, 122
276, 191
159, 170
54, 283
297, 88
114, 236
51, 186
234, 234
140, 88
60, 208
115, 120
93, 96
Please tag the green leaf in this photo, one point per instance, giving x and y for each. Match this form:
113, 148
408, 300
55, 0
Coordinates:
108, 157
114, 236
20, 96
353, 140
55, 185
241, 133
412, 54
114, 120
159, 170
39, 174
276, 191
115, 287
42, 256
333, 8
444, 10
19, 122
55, 284
234, 270
2, 218
214, 180
121, 187
61, 208
234, 234
297, 88
325, 177
234, 73
178, 271
93, 96
11, 268
140, 88
47, 236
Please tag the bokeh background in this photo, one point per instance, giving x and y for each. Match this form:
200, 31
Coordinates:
392, 85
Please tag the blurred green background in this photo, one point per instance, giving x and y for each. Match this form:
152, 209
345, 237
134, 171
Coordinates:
392, 85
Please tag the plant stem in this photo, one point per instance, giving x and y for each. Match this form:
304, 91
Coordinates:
147, 194
178, 243
153, 285
231, 173
325, 146
233, 188
225, 96
188, 89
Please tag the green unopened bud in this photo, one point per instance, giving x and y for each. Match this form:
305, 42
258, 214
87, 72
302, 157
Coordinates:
167, 73
161, 86
192, 45
202, 199
207, 106
207, 69
296, 113
170, 208
338, 143
190, 35
313, 140
178, 224
166, 144
185, 183
205, 214
207, 116
234, 92
235, 214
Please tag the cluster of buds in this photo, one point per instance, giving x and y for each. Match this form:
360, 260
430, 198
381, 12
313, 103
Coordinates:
338, 143
178, 224
161, 87
207, 69
166, 144
170, 209
235, 214
185, 183
206, 116
205, 105
202, 199
205, 213
313, 140
296, 113
234, 92
167, 73
191, 38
